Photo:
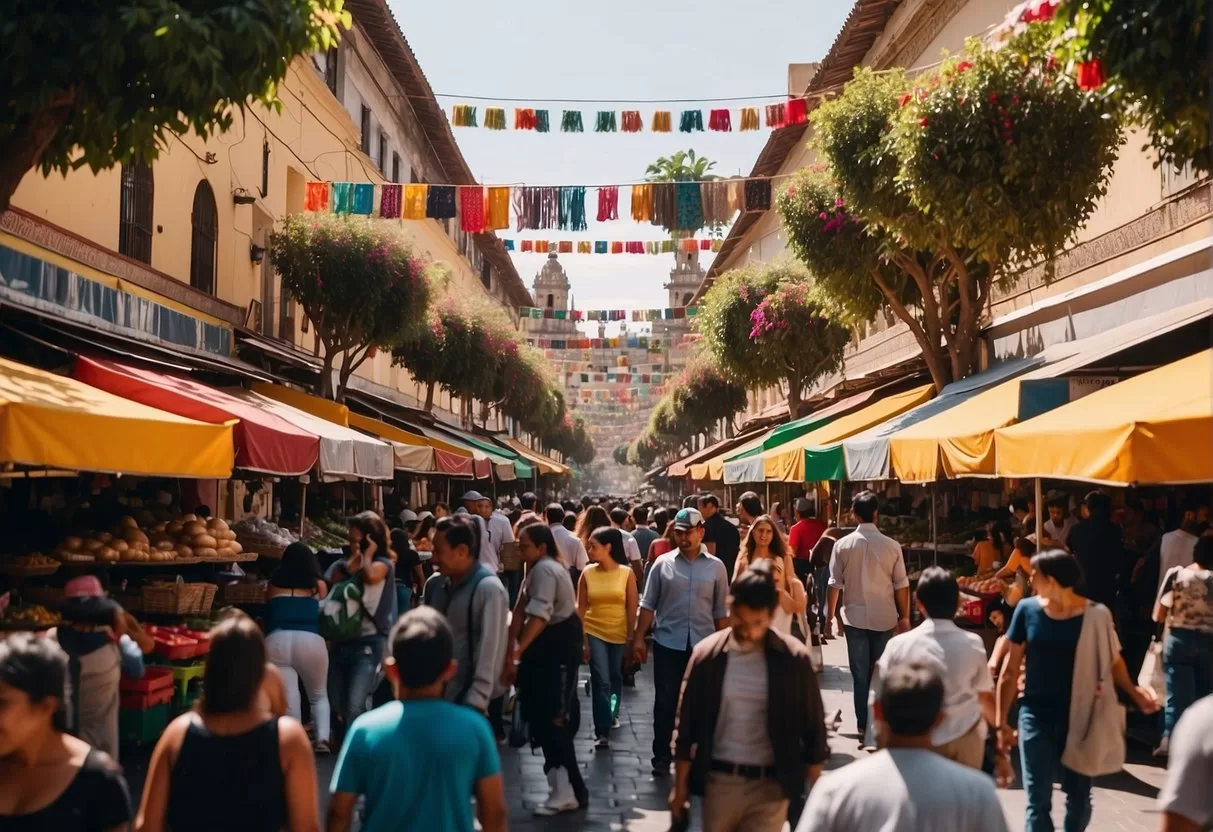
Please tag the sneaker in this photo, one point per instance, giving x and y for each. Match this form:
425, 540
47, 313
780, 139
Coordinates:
602, 742
562, 798
1164, 748
615, 723
321, 748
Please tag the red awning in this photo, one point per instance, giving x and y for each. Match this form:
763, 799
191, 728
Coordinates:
264, 442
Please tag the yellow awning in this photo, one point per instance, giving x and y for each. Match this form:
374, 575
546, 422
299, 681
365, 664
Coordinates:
1155, 428
545, 463
328, 410
786, 463
51, 421
958, 442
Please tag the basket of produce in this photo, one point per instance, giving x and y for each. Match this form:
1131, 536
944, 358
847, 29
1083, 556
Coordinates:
983, 583
244, 593
28, 565
261, 536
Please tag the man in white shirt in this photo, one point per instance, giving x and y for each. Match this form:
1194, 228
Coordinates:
906, 787
868, 571
1176, 547
1059, 525
572, 550
631, 548
960, 659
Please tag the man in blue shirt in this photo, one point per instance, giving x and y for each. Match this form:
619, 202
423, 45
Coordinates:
419, 760
686, 596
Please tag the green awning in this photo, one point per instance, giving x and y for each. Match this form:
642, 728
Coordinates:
501, 457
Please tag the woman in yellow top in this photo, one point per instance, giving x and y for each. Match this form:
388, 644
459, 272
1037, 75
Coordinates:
995, 548
607, 599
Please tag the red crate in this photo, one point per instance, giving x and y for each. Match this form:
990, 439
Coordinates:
972, 610
142, 700
154, 678
172, 647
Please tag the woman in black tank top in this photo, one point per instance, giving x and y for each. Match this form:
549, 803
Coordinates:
231, 766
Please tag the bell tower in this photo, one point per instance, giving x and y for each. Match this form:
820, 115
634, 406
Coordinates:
685, 278
551, 286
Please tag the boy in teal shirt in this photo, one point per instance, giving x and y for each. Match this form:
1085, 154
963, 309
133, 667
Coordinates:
419, 760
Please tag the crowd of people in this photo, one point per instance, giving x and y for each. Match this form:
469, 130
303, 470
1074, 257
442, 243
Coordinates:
414, 643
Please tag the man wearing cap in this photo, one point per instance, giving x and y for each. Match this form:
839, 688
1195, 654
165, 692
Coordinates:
686, 598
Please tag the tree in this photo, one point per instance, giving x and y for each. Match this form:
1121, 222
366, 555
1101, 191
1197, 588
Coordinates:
1151, 57
620, 455
99, 83
683, 166
359, 282
764, 325
938, 190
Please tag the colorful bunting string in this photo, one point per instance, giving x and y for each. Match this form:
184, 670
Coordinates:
675, 206
787, 113
609, 315
653, 247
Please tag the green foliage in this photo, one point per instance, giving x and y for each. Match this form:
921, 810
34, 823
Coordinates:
683, 166
100, 82
1155, 54
937, 189
763, 325
620, 455
358, 280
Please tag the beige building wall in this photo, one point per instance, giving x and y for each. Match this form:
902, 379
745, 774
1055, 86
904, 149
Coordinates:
313, 137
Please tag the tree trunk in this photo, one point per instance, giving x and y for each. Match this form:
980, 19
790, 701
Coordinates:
324, 388
429, 397
795, 404
24, 148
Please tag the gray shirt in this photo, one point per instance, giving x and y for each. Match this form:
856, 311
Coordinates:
549, 591
480, 653
742, 736
686, 598
1190, 768
903, 790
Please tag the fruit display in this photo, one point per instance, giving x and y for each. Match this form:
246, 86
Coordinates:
259, 532
983, 583
32, 616
182, 539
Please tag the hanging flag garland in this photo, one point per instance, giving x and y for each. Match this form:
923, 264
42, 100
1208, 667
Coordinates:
528, 246
674, 206
608, 315
788, 113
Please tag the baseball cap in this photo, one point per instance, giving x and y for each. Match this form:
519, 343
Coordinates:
688, 518
472, 497
803, 505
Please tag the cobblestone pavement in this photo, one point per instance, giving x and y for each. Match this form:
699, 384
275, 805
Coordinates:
624, 795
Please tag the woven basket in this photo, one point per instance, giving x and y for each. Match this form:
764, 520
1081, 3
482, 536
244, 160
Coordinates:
245, 593
179, 598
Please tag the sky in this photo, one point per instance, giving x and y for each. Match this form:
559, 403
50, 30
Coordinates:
545, 50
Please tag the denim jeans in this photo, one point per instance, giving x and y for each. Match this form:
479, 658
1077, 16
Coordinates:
668, 668
821, 592
606, 678
1188, 662
1042, 739
302, 655
864, 648
353, 674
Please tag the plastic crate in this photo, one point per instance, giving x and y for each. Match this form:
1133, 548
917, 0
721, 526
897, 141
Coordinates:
142, 727
142, 700
972, 610
154, 678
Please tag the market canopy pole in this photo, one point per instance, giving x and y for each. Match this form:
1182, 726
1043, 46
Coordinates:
1040, 523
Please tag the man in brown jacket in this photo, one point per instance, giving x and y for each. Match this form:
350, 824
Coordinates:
751, 730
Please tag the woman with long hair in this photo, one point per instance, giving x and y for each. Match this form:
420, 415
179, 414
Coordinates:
1046, 629
764, 541
663, 544
995, 547
607, 600
592, 519
293, 641
354, 664
543, 651
231, 764
52, 780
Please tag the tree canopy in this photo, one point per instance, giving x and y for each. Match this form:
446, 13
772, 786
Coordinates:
939, 188
359, 282
683, 166
1151, 57
102, 82
764, 325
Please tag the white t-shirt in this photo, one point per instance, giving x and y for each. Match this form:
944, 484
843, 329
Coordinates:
903, 790
742, 735
630, 547
498, 531
572, 550
1176, 548
1060, 533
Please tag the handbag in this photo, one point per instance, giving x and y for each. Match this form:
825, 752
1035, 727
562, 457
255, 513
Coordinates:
520, 731
1152, 674
1098, 747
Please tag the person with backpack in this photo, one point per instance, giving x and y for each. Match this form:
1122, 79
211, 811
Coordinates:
476, 605
356, 616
